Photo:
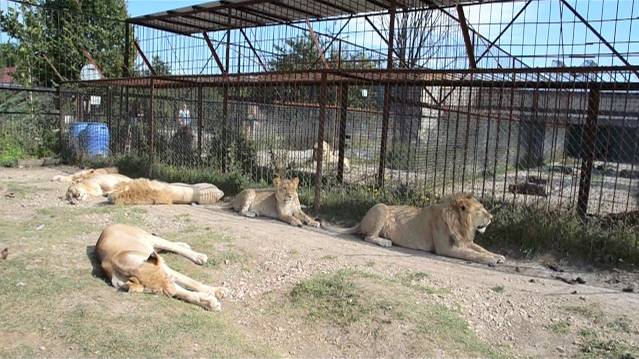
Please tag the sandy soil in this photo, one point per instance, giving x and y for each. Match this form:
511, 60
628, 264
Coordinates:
515, 306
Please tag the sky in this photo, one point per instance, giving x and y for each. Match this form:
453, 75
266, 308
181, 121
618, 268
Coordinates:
544, 28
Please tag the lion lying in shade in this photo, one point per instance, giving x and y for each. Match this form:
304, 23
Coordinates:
128, 256
95, 185
85, 174
145, 191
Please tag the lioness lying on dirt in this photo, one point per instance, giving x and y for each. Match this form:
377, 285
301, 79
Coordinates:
144, 191
84, 174
96, 185
129, 259
446, 228
282, 203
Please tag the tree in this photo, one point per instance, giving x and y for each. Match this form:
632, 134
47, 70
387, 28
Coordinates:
160, 67
53, 33
8, 55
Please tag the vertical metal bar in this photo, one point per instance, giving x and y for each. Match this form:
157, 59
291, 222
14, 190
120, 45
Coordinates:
387, 89
320, 140
127, 50
589, 135
151, 127
469, 45
61, 115
109, 115
225, 106
200, 123
343, 93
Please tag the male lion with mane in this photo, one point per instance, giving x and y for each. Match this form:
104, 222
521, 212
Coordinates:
282, 203
144, 191
129, 259
446, 228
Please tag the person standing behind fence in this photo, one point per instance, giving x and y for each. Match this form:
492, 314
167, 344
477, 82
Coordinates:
184, 117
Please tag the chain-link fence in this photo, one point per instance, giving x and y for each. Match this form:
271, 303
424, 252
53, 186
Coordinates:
527, 102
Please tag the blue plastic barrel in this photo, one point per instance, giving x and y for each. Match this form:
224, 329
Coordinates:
74, 135
94, 139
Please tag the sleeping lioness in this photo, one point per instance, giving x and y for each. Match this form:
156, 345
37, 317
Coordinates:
129, 259
282, 203
84, 174
446, 228
97, 185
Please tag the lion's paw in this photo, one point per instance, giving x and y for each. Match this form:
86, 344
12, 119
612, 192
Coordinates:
386, 243
314, 224
210, 302
200, 258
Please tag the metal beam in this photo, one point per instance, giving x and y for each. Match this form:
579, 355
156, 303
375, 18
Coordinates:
89, 58
259, 59
214, 53
387, 89
470, 51
503, 31
318, 47
333, 40
594, 31
143, 56
379, 33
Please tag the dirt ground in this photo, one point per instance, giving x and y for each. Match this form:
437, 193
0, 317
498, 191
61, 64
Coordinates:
294, 292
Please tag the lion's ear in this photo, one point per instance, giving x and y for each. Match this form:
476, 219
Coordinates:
296, 181
469, 195
276, 181
153, 258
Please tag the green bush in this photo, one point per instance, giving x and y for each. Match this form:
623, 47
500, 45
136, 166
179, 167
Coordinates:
527, 231
10, 151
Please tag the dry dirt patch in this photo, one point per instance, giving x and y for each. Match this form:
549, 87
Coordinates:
295, 292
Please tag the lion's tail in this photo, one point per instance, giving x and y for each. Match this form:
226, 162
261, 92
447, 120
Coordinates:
352, 230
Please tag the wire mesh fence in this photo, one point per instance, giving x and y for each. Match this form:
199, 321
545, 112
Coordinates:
527, 102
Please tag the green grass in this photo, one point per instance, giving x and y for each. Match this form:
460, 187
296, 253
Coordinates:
359, 301
50, 299
498, 289
527, 232
561, 327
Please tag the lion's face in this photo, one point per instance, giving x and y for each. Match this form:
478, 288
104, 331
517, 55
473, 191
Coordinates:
474, 210
76, 194
286, 190
152, 278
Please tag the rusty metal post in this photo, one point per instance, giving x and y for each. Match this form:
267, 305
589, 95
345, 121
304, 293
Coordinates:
387, 94
320, 140
61, 115
109, 115
588, 142
343, 97
151, 127
200, 123
127, 50
225, 106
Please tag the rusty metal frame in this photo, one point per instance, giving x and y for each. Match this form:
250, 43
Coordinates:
214, 53
259, 59
387, 88
317, 45
144, 58
470, 51
335, 37
601, 38
503, 31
